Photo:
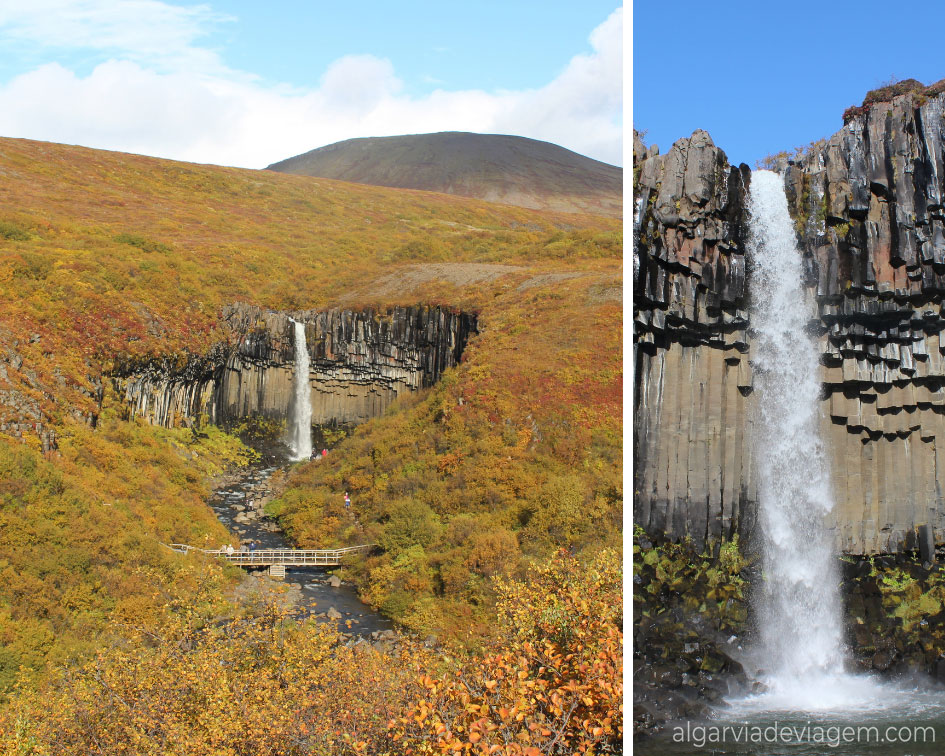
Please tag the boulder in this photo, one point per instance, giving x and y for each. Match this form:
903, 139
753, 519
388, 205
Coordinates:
883, 658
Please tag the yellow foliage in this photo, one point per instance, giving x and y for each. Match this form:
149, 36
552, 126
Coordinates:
192, 684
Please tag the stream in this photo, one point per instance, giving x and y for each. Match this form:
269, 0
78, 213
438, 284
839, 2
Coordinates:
239, 503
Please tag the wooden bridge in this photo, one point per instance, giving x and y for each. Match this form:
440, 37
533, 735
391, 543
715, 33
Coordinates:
278, 557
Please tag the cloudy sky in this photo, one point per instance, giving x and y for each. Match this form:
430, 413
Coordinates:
247, 83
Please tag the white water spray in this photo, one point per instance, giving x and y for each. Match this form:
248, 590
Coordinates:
300, 431
801, 630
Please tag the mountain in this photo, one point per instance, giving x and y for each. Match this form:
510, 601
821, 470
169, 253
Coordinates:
511, 170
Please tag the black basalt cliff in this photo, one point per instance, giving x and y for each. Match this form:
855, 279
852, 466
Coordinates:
868, 207
360, 361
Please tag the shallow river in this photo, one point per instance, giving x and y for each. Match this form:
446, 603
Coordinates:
885, 718
232, 501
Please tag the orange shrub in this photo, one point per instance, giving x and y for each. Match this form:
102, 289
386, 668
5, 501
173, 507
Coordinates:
552, 685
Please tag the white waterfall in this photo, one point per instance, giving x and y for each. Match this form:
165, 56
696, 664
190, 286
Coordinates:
800, 621
300, 427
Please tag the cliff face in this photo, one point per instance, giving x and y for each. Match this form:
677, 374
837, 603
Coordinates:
869, 210
360, 362
692, 464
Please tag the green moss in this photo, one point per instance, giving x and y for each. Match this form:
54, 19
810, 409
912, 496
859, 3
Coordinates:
730, 556
909, 598
675, 575
821, 213
896, 580
803, 210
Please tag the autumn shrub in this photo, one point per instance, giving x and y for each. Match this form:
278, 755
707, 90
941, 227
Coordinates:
551, 685
192, 682
262, 685
409, 523
492, 552
13, 232
32, 266
81, 538
140, 242
892, 89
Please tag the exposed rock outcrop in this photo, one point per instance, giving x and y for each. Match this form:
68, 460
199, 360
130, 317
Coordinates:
692, 461
868, 204
360, 362
870, 210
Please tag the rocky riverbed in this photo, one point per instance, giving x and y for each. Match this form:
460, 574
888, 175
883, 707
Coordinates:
239, 500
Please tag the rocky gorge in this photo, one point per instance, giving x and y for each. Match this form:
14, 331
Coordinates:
239, 501
360, 362
868, 211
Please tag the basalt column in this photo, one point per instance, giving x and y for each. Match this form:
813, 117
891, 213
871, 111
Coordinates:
358, 363
692, 384
869, 215
868, 205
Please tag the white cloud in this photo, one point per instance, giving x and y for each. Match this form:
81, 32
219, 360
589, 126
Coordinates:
159, 93
147, 31
581, 106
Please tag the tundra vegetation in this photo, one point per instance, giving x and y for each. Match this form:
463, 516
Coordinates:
111, 643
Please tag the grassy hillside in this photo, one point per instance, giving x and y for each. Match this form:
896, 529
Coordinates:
106, 253
499, 168
514, 454
511, 456
81, 536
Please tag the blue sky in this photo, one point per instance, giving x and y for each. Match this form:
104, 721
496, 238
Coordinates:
458, 45
763, 77
248, 83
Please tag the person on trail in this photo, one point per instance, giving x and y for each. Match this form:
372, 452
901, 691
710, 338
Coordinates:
252, 545
229, 550
324, 452
347, 501
243, 548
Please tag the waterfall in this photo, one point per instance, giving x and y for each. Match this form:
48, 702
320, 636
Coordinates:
300, 429
800, 619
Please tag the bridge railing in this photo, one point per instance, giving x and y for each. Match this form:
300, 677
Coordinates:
289, 557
